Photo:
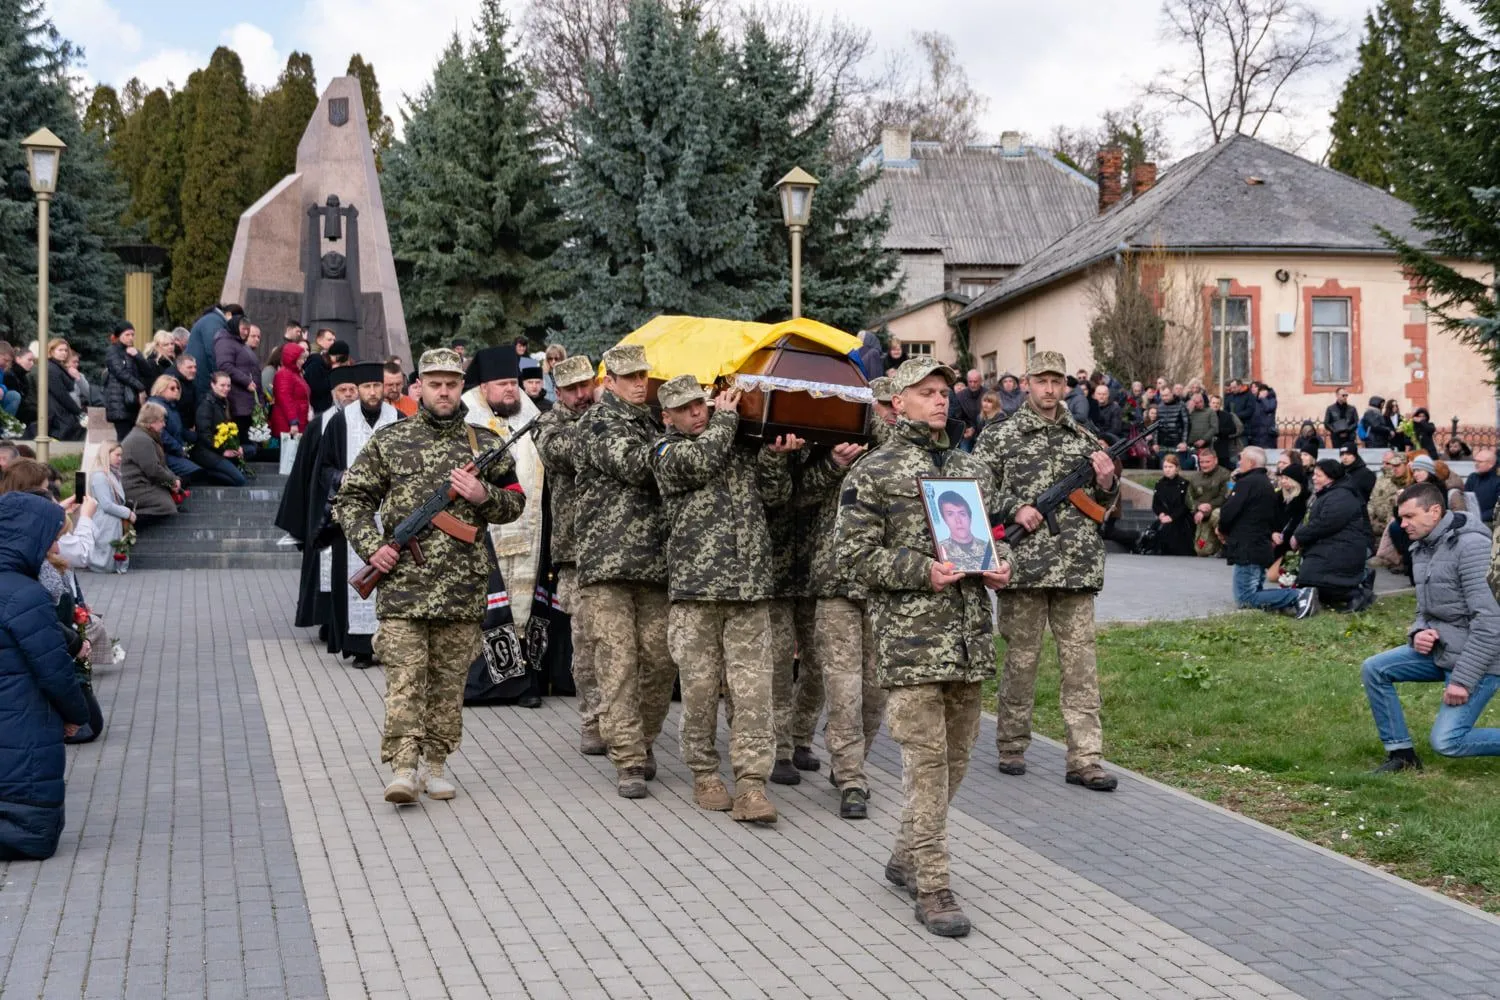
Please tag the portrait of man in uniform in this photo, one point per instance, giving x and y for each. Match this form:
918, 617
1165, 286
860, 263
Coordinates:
960, 528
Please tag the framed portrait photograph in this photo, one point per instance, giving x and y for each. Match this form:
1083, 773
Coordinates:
960, 528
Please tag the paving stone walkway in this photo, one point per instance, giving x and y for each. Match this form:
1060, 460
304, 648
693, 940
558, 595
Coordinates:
226, 838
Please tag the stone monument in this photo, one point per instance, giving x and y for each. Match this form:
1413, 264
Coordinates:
315, 247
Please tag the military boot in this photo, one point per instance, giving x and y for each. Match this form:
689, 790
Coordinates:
1013, 764
590, 742
632, 783
898, 870
805, 760
437, 785
785, 773
1094, 778
752, 806
404, 787
939, 913
649, 771
852, 804
709, 793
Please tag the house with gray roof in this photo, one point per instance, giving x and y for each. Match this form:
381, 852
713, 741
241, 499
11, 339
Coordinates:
964, 219
1315, 299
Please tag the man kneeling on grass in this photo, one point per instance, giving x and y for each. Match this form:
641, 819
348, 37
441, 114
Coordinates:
1455, 639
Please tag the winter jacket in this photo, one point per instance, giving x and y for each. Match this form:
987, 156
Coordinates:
65, 418
1211, 488
1108, 420
109, 520
239, 362
1335, 538
1077, 402
1260, 429
1242, 404
1171, 498
1363, 477
187, 406
1486, 487
1202, 425
39, 689
145, 475
1309, 440
292, 398
964, 405
212, 412
1171, 424
1341, 419
1247, 519
126, 375
622, 537
1382, 505
201, 346
1453, 596
1375, 430
17, 380
1289, 517
1229, 438
1010, 401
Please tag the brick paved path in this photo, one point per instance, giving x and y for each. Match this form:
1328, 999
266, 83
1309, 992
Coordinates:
198, 862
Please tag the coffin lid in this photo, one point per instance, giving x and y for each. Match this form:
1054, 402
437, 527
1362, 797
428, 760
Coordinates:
710, 349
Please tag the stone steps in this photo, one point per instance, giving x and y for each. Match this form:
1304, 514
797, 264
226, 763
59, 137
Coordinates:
225, 528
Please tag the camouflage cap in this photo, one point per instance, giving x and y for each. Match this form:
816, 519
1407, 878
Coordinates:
680, 391
881, 387
572, 370
918, 368
626, 359
1047, 362
440, 359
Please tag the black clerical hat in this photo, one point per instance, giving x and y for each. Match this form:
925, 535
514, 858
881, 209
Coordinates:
530, 368
345, 375
490, 364
366, 371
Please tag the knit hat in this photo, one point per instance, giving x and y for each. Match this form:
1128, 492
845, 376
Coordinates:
1351, 448
1296, 473
1425, 463
1332, 468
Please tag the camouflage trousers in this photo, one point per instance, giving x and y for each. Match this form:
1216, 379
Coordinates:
585, 682
1205, 536
798, 702
1024, 616
845, 650
627, 630
724, 643
426, 665
936, 725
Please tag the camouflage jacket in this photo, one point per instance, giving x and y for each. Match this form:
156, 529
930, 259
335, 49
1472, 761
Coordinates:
796, 523
1211, 488
399, 468
557, 442
1382, 505
1025, 455
716, 492
922, 636
623, 538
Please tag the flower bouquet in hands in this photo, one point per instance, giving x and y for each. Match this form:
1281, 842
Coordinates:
260, 427
10, 427
122, 547
227, 438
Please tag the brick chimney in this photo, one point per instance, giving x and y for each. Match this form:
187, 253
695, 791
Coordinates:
895, 143
1111, 165
1142, 179
1010, 143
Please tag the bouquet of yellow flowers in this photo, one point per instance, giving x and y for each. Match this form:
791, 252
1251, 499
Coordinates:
227, 438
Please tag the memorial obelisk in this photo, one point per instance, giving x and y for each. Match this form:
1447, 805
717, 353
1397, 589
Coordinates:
316, 248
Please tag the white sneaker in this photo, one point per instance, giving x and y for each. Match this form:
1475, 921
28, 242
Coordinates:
438, 787
404, 787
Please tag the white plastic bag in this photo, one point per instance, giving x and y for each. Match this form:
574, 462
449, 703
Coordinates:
288, 453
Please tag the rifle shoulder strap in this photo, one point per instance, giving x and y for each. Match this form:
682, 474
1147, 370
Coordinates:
473, 440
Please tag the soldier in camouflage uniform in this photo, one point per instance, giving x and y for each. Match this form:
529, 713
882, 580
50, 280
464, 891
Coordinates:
931, 624
719, 581
1055, 577
1208, 490
430, 613
556, 443
622, 569
885, 413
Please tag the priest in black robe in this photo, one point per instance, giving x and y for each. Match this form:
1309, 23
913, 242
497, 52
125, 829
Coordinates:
351, 618
301, 511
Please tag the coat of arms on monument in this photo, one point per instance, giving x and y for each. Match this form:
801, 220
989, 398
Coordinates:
338, 111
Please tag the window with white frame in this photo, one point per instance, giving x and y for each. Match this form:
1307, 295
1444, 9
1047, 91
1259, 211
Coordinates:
1028, 351
1331, 338
1232, 314
917, 348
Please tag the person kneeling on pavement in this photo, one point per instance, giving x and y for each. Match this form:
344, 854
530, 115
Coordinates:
1335, 540
1455, 638
1247, 522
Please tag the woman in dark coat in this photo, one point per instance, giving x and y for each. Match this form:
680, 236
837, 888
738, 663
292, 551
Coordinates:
1309, 439
1335, 539
1262, 429
236, 358
218, 467
1174, 516
40, 697
128, 375
1421, 422
1291, 507
148, 481
65, 418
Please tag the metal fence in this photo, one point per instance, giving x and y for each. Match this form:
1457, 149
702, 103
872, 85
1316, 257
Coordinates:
1474, 435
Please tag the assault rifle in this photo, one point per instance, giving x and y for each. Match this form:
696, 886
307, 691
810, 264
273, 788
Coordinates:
1070, 489
434, 513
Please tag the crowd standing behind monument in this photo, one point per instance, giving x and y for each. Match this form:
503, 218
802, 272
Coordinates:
683, 552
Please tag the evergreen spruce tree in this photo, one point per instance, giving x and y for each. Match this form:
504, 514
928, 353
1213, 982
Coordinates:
382, 129
217, 180
1447, 163
280, 119
86, 280
104, 117
469, 191
664, 197
1379, 93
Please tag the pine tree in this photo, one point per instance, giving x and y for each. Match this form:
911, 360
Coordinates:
382, 129
148, 154
104, 117
1379, 93
663, 195
280, 119
86, 282
1447, 162
470, 197
217, 180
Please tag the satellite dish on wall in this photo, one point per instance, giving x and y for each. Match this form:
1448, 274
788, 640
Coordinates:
1283, 275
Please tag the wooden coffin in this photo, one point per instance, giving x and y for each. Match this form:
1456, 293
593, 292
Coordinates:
796, 386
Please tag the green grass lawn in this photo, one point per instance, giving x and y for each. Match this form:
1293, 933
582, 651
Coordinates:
66, 465
1266, 715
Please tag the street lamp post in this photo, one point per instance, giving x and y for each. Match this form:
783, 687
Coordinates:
43, 154
796, 190
1224, 285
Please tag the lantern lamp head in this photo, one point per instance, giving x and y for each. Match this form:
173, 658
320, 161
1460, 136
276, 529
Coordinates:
796, 190
43, 152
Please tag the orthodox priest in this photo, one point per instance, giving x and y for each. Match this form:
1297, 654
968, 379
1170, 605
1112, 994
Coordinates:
493, 399
302, 508
351, 619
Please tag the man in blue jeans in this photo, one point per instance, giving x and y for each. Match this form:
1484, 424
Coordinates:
1455, 639
1246, 522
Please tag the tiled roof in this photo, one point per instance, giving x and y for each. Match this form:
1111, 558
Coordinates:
979, 206
1241, 195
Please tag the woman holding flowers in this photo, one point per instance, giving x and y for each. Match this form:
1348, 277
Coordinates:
217, 452
114, 523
